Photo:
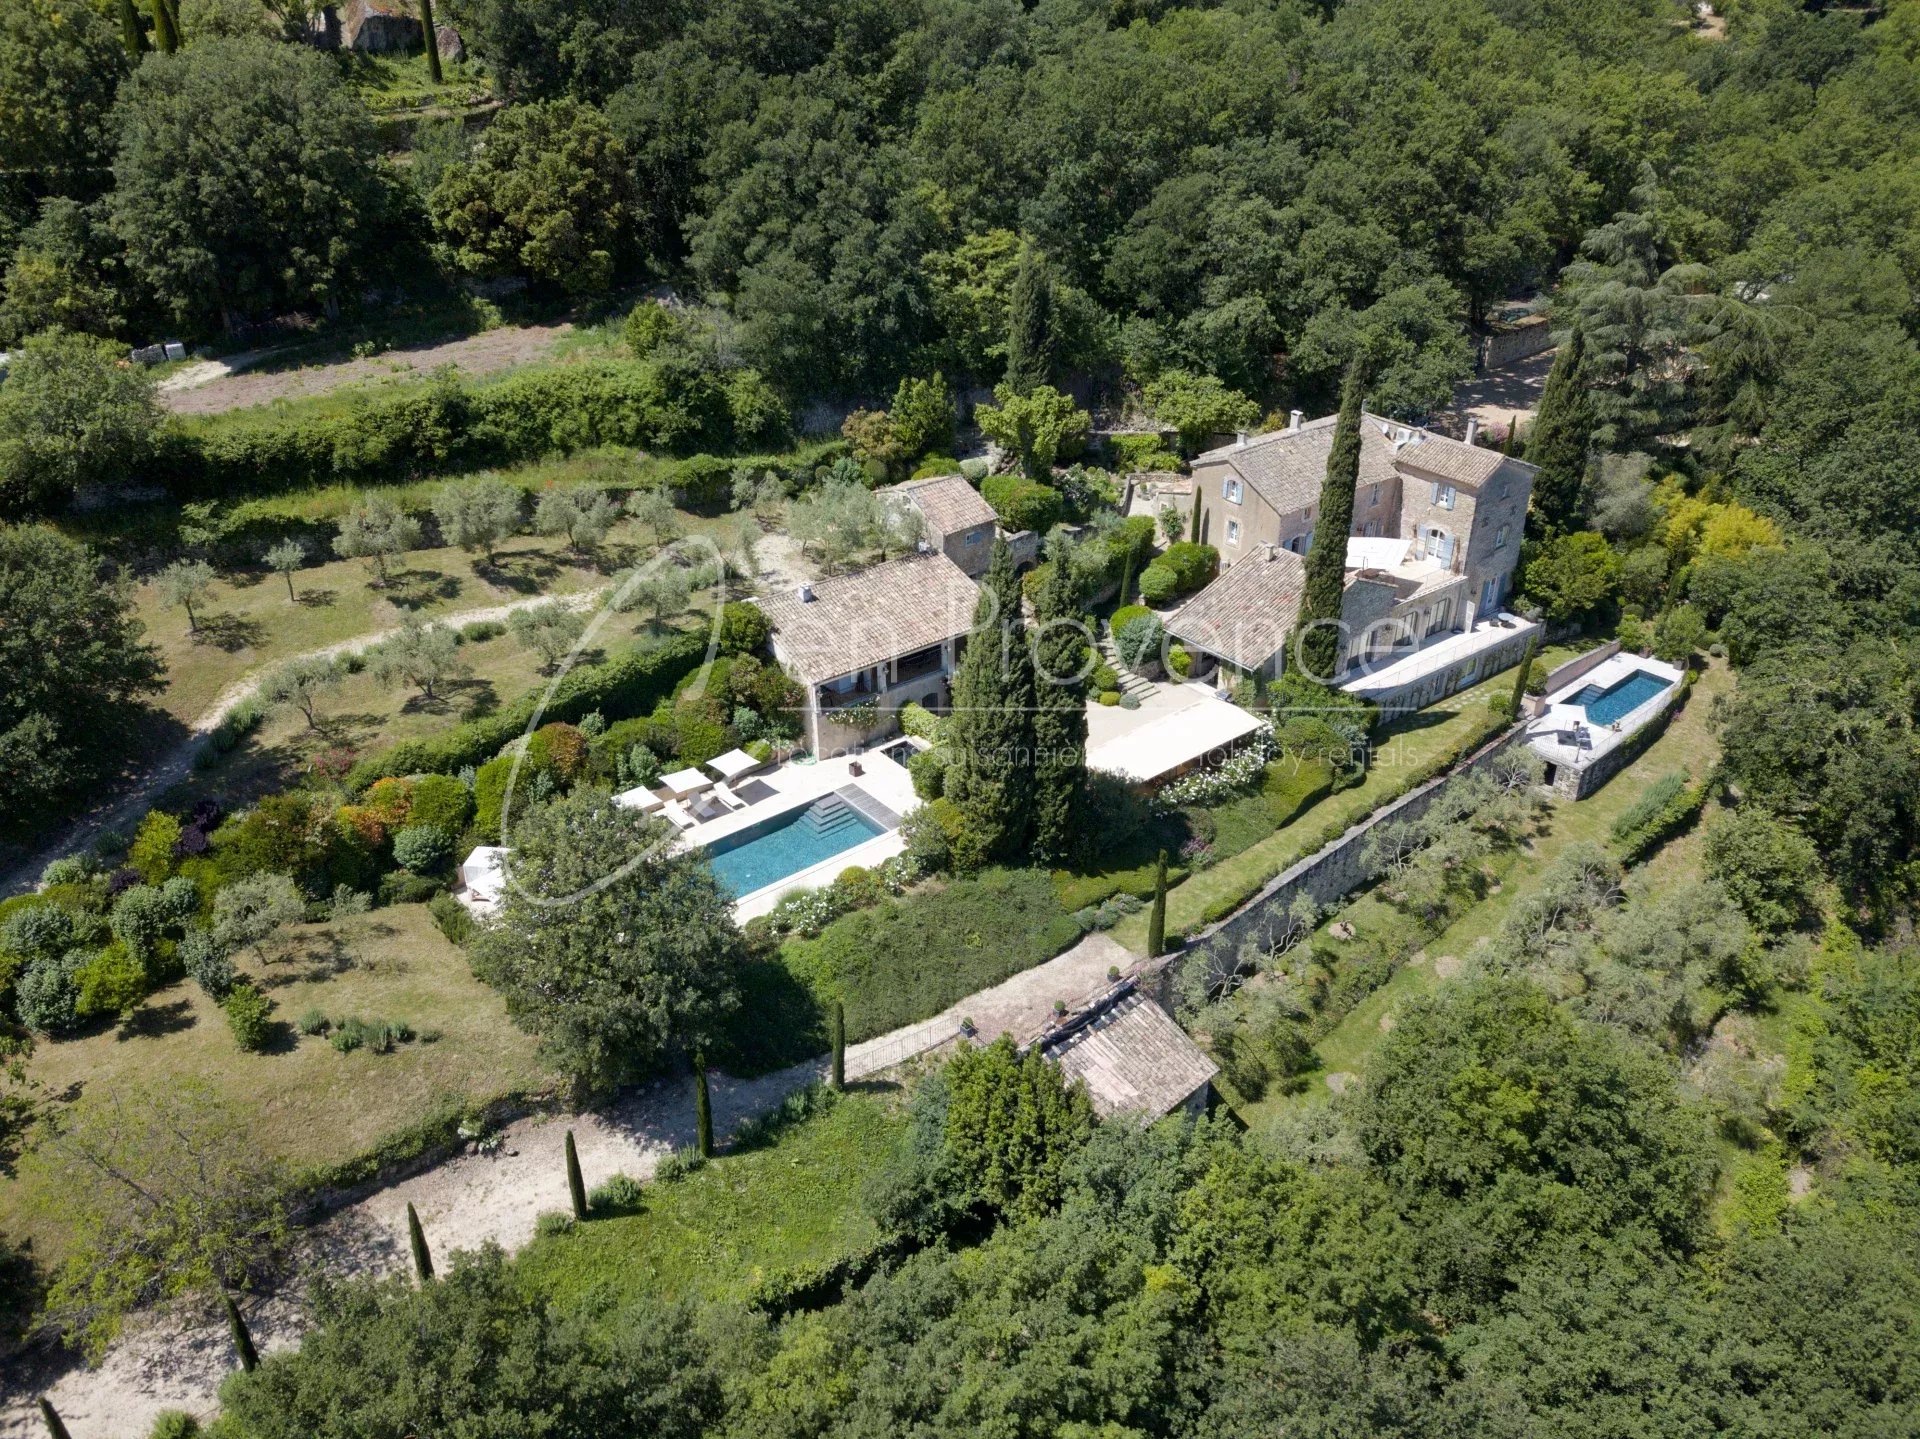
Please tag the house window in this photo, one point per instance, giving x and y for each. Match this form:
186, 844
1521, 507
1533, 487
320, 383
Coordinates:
1233, 532
1500, 538
974, 538
1443, 613
1230, 490
1373, 497
1443, 496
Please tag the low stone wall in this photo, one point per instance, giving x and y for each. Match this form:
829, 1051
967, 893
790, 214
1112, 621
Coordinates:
1523, 341
1563, 675
1430, 689
1329, 875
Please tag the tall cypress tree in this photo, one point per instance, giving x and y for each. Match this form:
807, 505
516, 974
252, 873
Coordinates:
1030, 323
433, 41
1317, 648
417, 1242
837, 1073
132, 35
1558, 442
1059, 712
576, 1182
166, 37
1520, 677
242, 1340
990, 732
702, 1107
1157, 920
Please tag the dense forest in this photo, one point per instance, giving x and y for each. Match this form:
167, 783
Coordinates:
1524, 1222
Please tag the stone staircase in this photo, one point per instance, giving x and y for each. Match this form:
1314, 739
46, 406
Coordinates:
1139, 686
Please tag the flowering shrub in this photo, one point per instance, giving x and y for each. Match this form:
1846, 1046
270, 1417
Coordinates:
1241, 770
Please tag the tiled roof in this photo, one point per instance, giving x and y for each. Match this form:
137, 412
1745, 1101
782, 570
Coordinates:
1286, 468
862, 619
1132, 1058
950, 503
1245, 616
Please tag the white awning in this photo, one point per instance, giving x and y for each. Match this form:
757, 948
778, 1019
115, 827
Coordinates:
484, 871
641, 798
1165, 745
733, 764
684, 782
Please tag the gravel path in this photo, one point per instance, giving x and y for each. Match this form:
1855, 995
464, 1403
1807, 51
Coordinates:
239, 381
127, 807
179, 1361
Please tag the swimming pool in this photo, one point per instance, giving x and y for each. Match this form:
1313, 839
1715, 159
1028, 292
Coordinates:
768, 852
1618, 700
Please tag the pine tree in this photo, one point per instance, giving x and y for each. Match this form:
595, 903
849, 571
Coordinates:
576, 1184
417, 1241
1030, 323
990, 732
1157, 920
1558, 441
132, 35
702, 1106
1317, 642
48, 1416
242, 1340
433, 41
1059, 713
837, 1075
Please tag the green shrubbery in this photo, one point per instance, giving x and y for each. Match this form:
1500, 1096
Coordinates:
1023, 504
909, 958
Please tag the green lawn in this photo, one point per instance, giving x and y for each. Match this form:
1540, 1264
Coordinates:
1406, 751
1687, 744
302, 1100
787, 1205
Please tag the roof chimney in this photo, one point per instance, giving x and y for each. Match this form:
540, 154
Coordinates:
1473, 430
1239, 439
1293, 422
806, 593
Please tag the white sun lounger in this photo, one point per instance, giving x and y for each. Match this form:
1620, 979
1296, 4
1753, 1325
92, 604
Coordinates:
677, 812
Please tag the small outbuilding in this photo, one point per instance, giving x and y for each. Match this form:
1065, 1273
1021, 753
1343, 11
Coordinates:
1133, 1059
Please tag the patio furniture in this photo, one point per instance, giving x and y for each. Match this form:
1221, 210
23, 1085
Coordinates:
640, 798
733, 764
686, 782
726, 796
677, 812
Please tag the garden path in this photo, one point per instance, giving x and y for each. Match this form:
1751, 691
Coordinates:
179, 1361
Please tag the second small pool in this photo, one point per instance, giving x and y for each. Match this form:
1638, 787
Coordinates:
1620, 699
767, 853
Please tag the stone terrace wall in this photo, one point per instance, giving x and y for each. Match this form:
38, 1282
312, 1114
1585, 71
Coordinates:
1329, 875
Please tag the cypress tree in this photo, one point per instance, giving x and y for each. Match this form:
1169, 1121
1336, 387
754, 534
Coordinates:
702, 1106
1030, 323
417, 1241
576, 1184
132, 35
1317, 646
242, 1340
1059, 713
48, 1416
1194, 533
990, 732
166, 35
1157, 920
433, 42
1558, 442
1520, 679
837, 1075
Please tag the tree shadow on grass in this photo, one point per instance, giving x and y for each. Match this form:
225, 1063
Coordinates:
313, 959
153, 1021
318, 599
416, 589
229, 632
526, 572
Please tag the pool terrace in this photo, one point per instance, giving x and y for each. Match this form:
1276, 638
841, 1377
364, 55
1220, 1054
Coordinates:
1586, 722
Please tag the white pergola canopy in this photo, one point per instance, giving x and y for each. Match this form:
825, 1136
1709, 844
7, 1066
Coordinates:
684, 782
734, 763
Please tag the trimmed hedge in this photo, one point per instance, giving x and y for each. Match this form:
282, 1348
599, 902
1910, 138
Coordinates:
623, 687
444, 427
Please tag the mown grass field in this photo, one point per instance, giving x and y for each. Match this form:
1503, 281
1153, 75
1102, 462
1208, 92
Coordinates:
1688, 744
790, 1204
301, 1100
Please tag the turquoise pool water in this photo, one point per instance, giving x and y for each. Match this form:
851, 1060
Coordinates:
1604, 706
766, 853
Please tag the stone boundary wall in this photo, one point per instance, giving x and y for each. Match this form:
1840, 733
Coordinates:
1329, 875
1563, 675
1441, 684
1530, 337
